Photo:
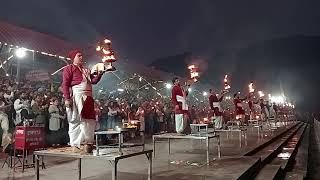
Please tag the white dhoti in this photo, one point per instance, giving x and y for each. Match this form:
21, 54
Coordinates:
218, 118
181, 122
218, 122
81, 130
180, 119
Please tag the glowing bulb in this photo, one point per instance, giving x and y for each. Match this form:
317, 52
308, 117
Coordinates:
21, 52
168, 86
261, 94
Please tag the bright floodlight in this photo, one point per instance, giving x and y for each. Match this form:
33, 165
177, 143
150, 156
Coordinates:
120, 90
168, 86
261, 94
277, 99
7, 74
21, 52
205, 93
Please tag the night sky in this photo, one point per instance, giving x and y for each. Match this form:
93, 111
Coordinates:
270, 41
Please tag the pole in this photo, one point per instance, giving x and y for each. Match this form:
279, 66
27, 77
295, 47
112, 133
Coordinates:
18, 71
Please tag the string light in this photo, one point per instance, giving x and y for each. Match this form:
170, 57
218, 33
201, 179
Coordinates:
26, 49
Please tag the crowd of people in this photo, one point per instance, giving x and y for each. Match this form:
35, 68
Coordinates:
42, 104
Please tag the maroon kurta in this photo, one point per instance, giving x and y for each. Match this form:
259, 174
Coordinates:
239, 109
177, 90
73, 76
214, 99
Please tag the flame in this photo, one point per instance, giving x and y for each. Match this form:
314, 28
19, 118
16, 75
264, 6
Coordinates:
112, 57
227, 86
191, 67
107, 52
225, 78
194, 74
251, 89
107, 41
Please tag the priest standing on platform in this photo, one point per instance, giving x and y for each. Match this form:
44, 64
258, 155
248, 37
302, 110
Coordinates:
77, 92
180, 106
215, 106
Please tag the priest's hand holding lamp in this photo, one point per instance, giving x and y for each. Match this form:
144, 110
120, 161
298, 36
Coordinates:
108, 57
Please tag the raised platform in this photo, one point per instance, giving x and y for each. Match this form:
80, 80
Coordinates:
206, 137
187, 160
113, 158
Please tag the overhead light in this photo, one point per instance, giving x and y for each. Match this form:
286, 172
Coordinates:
168, 86
21, 52
120, 90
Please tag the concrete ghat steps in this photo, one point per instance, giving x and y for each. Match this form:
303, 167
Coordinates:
270, 152
298, 161
314, 150
265, 144
277, 167
289, 149
270, 171
267, 153
295, 176
221, 169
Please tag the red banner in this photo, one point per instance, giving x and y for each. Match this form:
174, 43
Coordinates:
29, 138
37, 75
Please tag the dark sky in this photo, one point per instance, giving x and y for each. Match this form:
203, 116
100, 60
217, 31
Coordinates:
143, 30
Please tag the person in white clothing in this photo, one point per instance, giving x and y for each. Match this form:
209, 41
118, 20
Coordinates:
21, 107
77, 92
55, 122
55, 117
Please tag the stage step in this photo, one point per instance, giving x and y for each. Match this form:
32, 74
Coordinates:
295, 176
282, 156
276, 138
270, 172
301, 160
314, 151
269, 150
225, 168
286, 157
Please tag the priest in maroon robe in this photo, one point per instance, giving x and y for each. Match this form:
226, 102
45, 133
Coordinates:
77, 92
